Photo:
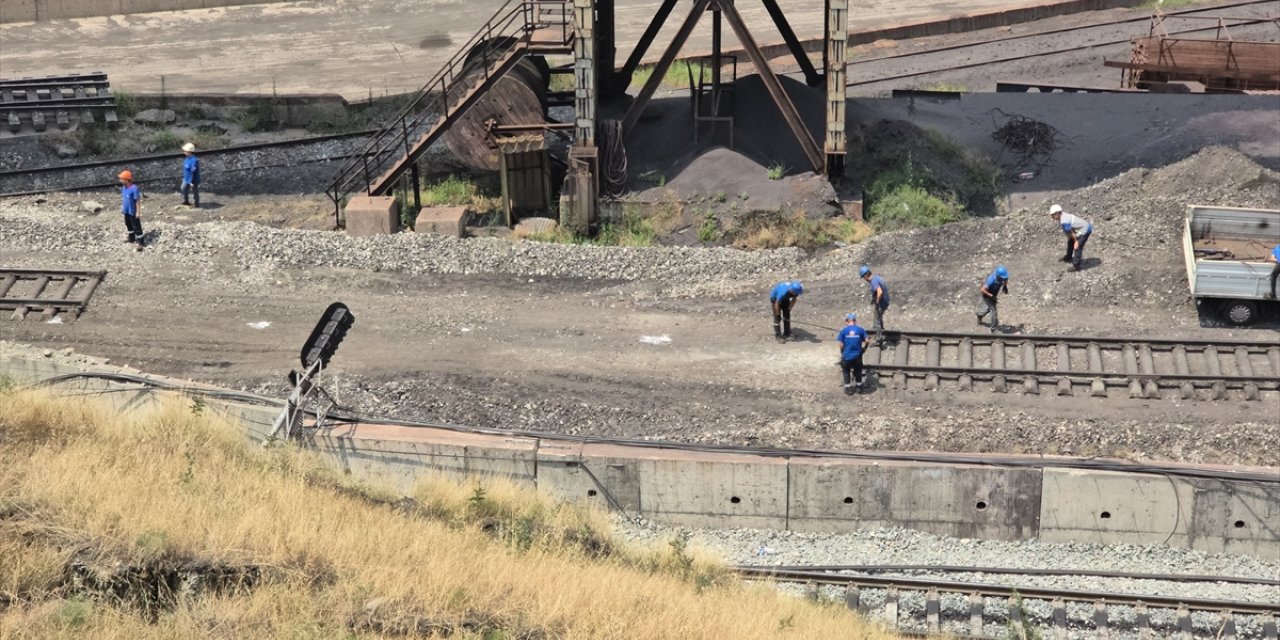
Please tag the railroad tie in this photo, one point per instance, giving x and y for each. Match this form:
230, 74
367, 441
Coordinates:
37, 121
1273, 357
1064, 365
1184, 624
1148, 363
933, 358
63, 120
86, 293
1060, 620
1097, 388
1029, 382
891, 607
853, 598
1269, 629
1130, 357
1142, 620
1246, 370
7, 284
977, 605
1017, 627
933, 612
68, 283
1226, 626
1102, 629
1183, 368
21, 312
966, 362
15, 123
901, 356
1214, 365
998, 382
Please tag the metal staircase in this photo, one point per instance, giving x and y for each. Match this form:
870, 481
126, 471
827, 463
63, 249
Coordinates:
519, 28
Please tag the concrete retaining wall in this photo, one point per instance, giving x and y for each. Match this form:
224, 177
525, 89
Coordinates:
802, 493
41, 10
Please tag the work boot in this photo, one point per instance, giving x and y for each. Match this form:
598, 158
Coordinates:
848, 389
979, 318
1066, 258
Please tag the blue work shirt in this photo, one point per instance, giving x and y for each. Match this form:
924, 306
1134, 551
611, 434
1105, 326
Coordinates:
191, 170
877, 282
994, 284
851, 338
129, 200
780, 291
1275, 253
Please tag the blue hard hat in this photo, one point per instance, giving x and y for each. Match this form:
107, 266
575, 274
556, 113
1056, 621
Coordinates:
1002, 272
863, 271
852, 317
796, 287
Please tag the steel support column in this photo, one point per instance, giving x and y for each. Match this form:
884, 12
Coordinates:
664, 63
811, 76
779, 95
834, 58
642, 47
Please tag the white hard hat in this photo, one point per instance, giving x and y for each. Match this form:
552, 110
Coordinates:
188, 147
1055, 209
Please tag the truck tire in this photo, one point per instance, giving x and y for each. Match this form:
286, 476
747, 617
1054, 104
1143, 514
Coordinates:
1240, 313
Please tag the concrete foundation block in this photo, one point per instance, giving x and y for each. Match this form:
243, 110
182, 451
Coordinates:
837, 496
371, 216
446, 221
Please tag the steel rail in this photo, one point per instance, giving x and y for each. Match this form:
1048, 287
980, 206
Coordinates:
48, 272
254, 146
1170, 577
1041, 54
986, 338
76, 78
1081, 377
1185, 13
343, 416
1005, 591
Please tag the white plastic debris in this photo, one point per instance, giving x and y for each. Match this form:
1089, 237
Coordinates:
656, 340
261, 324
54, 320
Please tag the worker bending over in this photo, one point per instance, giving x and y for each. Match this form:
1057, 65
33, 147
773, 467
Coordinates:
782, 298
1077, 230
853, 342
991, 288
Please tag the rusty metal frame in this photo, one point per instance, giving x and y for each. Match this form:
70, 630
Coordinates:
664, 63
811, 75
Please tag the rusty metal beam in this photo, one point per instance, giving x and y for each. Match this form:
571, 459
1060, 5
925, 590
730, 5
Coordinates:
779, 95
646, 39
664, 63
811, 76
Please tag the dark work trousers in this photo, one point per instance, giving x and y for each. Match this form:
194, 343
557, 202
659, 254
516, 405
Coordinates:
1078, 256
781, 319
854, 365
879, 325
191, 193
1275, 273
133, 228
988, 306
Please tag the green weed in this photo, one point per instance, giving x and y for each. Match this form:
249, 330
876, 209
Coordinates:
710, 229
777, 171
126, 104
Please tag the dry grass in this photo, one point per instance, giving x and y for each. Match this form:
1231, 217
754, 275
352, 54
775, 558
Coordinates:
779, 229
94, 509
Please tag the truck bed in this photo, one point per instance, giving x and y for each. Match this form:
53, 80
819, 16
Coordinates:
1249, 234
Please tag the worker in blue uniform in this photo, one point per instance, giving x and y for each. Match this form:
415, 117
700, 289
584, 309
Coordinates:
129, 197
190, 177
879, 293
782, 298
992, 287
853, 343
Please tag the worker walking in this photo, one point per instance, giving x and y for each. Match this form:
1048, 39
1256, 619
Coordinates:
190, 177
853, 342
879, 293
1275, 271
782, 298
129, 198
992, 287
1077, 230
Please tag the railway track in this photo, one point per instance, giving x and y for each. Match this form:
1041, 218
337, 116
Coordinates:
159, 167
922, 606
36, 103
1062, 365
54, 294
997, 50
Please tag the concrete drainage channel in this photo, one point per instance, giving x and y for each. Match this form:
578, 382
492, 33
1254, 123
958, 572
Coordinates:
984, 497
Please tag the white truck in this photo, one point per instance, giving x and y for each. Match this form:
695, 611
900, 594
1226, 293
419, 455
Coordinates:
1227, 252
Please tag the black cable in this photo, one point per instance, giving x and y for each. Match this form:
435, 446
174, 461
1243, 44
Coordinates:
614, 167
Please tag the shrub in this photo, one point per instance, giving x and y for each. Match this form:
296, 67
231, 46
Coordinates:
634, 230
908, 206
777, 171
710, 229
126, 104
164, 141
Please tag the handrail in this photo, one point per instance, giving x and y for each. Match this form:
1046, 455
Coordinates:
433, 101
